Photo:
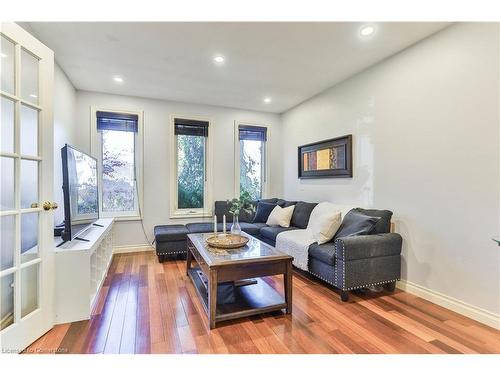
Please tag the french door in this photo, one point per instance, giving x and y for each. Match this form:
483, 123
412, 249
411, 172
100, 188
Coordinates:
26, 163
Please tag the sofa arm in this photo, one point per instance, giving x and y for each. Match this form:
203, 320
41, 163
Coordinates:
368, 246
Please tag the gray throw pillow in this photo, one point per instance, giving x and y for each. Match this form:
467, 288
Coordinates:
301, 214
263, 211
356, 224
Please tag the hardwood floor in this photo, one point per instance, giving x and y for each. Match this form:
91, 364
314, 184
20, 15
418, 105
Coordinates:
148, 307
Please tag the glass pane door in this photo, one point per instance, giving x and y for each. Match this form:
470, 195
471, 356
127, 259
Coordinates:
25, 227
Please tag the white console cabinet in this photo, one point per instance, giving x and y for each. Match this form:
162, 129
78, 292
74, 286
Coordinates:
80, 269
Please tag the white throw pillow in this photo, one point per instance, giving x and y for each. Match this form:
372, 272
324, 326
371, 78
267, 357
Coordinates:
280, 216
324, 222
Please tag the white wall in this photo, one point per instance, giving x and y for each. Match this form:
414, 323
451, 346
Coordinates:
64, 131
156, 153
425, 130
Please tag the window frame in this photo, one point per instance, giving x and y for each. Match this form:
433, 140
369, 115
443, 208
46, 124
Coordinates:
207, 210
96, 151
237, 161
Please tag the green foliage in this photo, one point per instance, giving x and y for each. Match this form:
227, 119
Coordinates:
118, 193
191, 171
111, 162
245, 203
249, 182
87, 201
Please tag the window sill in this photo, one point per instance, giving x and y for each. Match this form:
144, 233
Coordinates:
190, 216
123, 218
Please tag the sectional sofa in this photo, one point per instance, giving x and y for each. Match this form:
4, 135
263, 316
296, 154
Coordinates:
347, 263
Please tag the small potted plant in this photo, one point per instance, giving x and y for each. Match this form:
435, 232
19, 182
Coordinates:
243, 204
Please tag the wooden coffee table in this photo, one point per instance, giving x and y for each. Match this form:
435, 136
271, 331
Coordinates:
242, 268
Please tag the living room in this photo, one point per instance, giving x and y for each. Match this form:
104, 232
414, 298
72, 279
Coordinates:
250, 187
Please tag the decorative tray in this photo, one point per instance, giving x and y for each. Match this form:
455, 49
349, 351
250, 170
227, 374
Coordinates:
227, 241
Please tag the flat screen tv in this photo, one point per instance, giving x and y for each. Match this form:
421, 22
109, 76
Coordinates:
81, 204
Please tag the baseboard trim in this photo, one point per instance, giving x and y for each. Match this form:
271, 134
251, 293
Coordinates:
132, 249
460, 307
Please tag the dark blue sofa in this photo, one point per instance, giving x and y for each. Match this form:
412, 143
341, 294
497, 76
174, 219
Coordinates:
347, 263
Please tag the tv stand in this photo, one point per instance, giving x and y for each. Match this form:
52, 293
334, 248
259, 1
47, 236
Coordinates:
83, 239
76, 238
80, 269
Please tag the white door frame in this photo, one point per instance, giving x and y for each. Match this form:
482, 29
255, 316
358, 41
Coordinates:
25, 330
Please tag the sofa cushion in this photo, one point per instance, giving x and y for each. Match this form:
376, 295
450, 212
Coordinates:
383, 224
283, 203
263, 211
356, 224
301, 214
250, 228
206, 227
246, 217
272, 232
221, 209
325, 252
268, 200
260, 225
168, 233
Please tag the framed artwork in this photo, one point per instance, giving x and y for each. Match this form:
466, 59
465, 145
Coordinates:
329, 158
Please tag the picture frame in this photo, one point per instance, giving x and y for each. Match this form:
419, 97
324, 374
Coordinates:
331, 158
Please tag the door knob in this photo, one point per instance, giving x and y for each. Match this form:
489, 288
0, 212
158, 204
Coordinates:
49, 205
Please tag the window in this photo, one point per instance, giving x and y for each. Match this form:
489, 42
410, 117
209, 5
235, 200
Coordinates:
191, 178
251, 169
117, 137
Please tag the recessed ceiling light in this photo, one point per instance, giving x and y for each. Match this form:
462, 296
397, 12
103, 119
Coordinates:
118, 79
267, 100
366, 30
219, 59
34, 96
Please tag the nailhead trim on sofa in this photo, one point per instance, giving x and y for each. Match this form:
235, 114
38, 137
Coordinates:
343, 263
372, 284
339, 241
321, 278
354, 287
172, 252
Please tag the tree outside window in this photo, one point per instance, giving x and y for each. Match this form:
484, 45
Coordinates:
251, 165
118, 171
190, 171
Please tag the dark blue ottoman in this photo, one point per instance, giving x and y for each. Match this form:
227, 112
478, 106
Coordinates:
170, 241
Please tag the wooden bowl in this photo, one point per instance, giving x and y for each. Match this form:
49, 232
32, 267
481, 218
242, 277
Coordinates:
228, 241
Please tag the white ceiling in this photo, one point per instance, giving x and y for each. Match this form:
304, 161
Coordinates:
289, 62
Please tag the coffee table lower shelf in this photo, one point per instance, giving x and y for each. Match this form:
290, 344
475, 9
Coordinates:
253, 299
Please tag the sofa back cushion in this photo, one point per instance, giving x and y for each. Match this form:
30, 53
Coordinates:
263, 211
246, 217
284, 203
356, 224
268, 200
301, 214
383, 224
221, 209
